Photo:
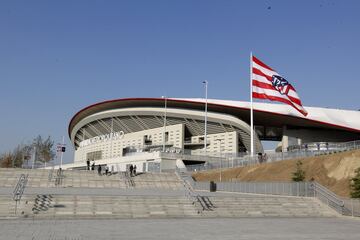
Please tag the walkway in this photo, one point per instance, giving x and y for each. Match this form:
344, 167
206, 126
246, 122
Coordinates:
169, 229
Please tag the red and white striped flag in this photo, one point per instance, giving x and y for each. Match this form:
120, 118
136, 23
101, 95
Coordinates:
268, 84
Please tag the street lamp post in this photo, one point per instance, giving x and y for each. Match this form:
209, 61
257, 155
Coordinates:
34, 157
164, 128
206, 101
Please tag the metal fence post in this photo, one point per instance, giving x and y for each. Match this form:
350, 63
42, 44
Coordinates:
298, 188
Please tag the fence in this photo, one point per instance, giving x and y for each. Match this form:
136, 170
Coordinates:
352, 206
344, 206
273, 188
307, 150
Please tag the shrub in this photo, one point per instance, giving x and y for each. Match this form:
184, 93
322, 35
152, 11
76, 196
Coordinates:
299, 174
355, 185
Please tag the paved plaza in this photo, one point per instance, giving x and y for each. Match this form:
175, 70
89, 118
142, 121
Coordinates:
168, 229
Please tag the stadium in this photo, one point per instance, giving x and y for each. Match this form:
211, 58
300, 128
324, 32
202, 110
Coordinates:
159, 134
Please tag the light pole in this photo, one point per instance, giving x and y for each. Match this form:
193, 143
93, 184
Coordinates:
34, 157
219, 140
205, 134
164, 129
62, 148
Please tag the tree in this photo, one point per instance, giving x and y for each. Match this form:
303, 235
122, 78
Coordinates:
43, 149
355, 184
13, 159
6, 160
299, 174
17, 157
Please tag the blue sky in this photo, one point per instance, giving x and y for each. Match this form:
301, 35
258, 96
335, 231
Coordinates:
57, 57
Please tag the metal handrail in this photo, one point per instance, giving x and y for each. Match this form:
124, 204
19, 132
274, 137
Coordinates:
59, 177
320, 189
228, 161
19, 189
129, 182
329, 198
349, 207
51, 173
196, 199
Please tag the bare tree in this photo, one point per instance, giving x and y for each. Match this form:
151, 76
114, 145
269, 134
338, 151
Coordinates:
44, 152
6, 160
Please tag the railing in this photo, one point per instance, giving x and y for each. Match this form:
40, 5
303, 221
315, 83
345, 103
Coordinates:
202, 203
325, 146
344, 206
127, 179
19, 189
302, 189
59, 177
353, 207
51, 173
229, 160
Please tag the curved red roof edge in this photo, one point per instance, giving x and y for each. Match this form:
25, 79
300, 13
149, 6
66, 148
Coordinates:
214, 104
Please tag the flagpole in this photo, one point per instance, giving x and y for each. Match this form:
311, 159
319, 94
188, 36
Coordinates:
251, 108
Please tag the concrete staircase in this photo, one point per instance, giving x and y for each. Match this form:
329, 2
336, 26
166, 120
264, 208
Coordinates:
114, 207
266, 206
85, 194
87, 179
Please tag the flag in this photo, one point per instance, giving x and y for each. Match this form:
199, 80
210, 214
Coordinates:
268, 84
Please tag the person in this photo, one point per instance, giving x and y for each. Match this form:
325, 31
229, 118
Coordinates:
134, 170
260, 159
88, 164
265, 158
131, 170
99, 169
106, 170
93, 166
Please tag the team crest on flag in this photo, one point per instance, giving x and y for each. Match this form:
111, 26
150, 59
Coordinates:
280, 84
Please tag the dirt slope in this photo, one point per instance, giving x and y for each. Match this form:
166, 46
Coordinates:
333, 171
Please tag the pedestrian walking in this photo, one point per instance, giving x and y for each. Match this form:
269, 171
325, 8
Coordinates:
99, 169
93, 166
134, 170
131, 170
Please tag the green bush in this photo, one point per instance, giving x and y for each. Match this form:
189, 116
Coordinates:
299, 174
355, 184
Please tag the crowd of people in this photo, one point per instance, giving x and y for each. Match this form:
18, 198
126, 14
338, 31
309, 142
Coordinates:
131, 169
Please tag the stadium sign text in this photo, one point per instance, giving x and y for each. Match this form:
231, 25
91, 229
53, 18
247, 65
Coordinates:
102, 138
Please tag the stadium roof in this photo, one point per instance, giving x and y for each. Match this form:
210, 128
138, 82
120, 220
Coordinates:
266, 114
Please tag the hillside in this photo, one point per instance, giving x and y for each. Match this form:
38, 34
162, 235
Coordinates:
333, 171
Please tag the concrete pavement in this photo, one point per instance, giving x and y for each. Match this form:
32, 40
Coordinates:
201, 229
